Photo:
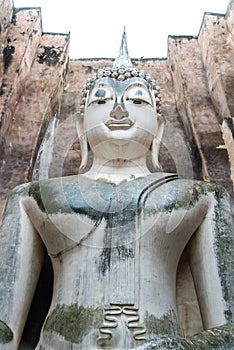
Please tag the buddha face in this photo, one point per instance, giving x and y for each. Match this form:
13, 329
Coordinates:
120, 120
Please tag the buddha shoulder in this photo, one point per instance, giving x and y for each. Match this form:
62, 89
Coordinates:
73, 192
183, 193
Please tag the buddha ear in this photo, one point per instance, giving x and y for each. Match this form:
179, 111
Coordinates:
83, 142
157, 142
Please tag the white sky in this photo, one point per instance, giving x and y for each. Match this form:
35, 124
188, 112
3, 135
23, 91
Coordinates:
96, 26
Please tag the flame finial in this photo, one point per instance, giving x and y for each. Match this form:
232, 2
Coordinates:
123, 59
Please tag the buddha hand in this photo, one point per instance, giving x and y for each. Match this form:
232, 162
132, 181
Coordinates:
6, 334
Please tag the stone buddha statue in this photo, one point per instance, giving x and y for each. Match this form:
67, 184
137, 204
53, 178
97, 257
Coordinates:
116, 234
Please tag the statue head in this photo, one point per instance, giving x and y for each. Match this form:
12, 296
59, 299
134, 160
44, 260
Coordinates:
121, 112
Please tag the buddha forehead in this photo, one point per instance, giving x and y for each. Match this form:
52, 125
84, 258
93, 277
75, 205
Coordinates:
119, 87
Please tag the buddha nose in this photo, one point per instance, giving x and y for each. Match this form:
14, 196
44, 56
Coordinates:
119, 112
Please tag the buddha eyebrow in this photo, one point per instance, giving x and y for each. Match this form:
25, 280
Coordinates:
139, 93
100, 93
139, 85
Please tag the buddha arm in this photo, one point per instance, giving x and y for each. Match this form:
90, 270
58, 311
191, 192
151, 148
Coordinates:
211, 261
21, 258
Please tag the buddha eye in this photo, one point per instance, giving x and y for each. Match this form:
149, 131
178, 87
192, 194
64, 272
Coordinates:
137, 101
101, 102
138, 94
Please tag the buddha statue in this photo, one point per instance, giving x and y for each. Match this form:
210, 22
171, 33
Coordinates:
116, 233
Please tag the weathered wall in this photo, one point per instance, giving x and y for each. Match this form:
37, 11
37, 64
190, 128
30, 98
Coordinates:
33, 70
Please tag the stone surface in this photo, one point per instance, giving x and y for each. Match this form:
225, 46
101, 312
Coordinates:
32, 87
5, 20
216, 43
228, 136
20, 47
199, 118
196, 81
229, 18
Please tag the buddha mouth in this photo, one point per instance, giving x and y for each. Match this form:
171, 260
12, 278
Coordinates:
124, 123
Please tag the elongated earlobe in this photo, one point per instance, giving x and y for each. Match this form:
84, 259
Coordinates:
84, 152
157, 142
83, 144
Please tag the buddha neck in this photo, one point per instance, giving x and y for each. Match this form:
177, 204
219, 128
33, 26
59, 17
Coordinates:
118, 170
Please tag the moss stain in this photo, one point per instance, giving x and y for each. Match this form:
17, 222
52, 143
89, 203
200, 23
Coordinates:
167, 324
192, 194
221, 338
223, 247
50, 55
105, 260
34, 191
6, 335
8, 52
74, 322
